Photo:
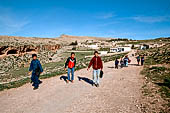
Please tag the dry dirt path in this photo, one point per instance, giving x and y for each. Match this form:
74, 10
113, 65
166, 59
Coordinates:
119, 92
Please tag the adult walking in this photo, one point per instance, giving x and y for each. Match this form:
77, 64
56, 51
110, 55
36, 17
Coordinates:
97, 65
142, 60
70, 65
116, 63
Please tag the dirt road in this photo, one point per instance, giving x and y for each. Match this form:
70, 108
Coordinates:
119, 92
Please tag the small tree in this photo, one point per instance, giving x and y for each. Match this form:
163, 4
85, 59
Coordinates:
74, 43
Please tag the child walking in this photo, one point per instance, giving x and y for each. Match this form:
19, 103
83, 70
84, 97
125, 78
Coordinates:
138, 59
36, 70
70, 65
116, 63
121, 63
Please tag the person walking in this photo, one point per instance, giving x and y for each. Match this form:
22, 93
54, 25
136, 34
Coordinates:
138, 59
126, 60
36, 69
70, 65
116, 63
142, 60
97, 65
121, 63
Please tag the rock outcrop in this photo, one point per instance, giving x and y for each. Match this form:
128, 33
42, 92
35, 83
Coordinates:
20, 50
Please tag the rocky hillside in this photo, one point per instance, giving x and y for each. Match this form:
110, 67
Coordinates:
15, 52
20, 45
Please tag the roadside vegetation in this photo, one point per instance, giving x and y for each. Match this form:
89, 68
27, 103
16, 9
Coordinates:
157, 40
157, 79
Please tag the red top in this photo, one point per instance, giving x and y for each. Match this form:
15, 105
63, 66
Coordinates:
96, 62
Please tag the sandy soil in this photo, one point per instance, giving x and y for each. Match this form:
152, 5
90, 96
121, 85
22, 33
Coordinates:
119, 92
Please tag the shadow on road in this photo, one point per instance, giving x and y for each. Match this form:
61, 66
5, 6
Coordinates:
64, 78
110, 67
134, 64
87, 80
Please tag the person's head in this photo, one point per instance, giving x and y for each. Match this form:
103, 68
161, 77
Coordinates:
73, 54
34, 56
96, 53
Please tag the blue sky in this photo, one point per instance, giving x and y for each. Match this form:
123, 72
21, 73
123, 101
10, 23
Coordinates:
136, 19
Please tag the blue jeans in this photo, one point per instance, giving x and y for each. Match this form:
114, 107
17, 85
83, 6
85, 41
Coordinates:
96, 74
126, 63
70, 70
35, 80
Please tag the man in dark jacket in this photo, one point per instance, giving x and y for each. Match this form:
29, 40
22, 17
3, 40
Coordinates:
97, 64
70, 64
36, 70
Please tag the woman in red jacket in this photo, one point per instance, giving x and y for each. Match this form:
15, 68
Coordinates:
97, 65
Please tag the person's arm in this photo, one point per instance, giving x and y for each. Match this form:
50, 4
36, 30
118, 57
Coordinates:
30, 68
66, 64
75, 63
91, 62
101, 64
39, 64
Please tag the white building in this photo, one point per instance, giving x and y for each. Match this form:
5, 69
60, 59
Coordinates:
93, 46
113, 50
120, 49
103, 52
124, 49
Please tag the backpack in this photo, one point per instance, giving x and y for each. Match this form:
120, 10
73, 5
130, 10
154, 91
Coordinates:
37, 71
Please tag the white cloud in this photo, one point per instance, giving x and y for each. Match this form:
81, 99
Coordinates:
108, 23
105, 15
151, 19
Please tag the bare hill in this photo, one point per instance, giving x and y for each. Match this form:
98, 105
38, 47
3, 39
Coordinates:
26, 40
69, 38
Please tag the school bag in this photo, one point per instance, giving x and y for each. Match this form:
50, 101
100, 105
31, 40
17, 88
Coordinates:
129, 61
37, 71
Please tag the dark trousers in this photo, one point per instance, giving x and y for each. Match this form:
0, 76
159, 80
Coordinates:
121, 65
138, 61
116, 66
142, 61
35, 80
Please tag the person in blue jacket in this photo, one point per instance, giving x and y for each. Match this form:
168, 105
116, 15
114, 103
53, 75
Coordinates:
36, 69
126, 60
